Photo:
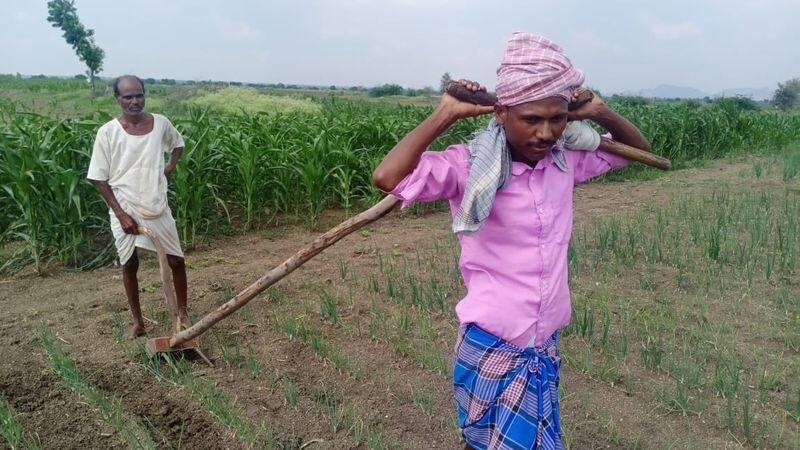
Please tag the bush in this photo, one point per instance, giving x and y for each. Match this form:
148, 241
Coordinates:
787, 95
386, 90
739, 102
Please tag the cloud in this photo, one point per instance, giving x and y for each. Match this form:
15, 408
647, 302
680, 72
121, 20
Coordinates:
413, 4
771, 3
590, 40
23, 17
238, 30
426, 3
677, 31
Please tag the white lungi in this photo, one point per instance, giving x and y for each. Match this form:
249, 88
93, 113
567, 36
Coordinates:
163, 226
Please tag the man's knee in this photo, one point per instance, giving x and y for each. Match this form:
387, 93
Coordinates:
132, 264
175, 262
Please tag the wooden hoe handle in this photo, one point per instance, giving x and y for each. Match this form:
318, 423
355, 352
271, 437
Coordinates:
319, 244
166, 277
483, 98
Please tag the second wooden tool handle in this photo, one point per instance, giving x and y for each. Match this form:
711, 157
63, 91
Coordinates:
634, 154
484, 98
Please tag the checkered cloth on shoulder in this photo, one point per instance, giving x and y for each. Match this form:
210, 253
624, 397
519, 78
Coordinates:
490, 168
507, 396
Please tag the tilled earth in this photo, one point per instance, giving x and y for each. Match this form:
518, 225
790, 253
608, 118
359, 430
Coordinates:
402, 404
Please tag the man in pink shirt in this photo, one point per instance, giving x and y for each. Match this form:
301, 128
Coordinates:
510, 193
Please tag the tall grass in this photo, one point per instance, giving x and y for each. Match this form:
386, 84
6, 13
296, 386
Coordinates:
65, 97
199, 206
688, 131
250, 100
240, 170
47, 205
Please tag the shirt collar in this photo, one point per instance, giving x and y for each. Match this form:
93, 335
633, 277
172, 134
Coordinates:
556, 157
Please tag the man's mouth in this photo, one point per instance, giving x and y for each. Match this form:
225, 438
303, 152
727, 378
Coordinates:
541, 148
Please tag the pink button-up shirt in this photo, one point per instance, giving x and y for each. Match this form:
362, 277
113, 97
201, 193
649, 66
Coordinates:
515, 268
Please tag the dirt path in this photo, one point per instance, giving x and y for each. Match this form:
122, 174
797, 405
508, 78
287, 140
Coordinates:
385, 393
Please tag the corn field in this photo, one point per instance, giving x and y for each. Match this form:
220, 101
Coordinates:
241, 171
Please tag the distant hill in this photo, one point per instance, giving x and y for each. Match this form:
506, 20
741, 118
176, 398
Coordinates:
669, 91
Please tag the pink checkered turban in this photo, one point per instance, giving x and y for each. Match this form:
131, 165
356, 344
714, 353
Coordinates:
534, 68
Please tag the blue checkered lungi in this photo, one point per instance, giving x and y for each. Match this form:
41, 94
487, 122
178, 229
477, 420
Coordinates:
507, 396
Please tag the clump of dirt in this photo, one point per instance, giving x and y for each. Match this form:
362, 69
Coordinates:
172, 416
54, 416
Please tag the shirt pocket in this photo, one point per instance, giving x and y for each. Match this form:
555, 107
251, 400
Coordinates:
561, 210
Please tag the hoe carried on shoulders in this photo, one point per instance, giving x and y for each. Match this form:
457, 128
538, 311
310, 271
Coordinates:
185, 338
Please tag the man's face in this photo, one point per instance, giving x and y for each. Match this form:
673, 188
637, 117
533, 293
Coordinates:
131, 96
532, 128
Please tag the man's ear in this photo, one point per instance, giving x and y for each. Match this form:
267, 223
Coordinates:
500, 114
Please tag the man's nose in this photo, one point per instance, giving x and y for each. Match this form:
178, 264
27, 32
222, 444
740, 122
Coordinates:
545, 132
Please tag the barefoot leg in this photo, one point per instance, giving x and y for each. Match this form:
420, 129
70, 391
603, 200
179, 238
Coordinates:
178, 266
131, 283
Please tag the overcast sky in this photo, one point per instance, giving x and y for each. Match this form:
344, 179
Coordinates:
620, 44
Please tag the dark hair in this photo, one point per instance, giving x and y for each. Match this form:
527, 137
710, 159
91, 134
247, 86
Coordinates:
118, 79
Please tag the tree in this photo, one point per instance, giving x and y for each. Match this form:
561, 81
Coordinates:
445, 80
62, 14
386, 90
787, 95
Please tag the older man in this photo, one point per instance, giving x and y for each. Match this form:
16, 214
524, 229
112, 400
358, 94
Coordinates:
128, 169
510, 192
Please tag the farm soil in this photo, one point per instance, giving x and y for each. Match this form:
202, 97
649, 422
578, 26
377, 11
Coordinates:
80, 309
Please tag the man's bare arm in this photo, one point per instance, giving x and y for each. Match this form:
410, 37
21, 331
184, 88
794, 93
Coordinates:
621, 128
404, 156
173, 160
